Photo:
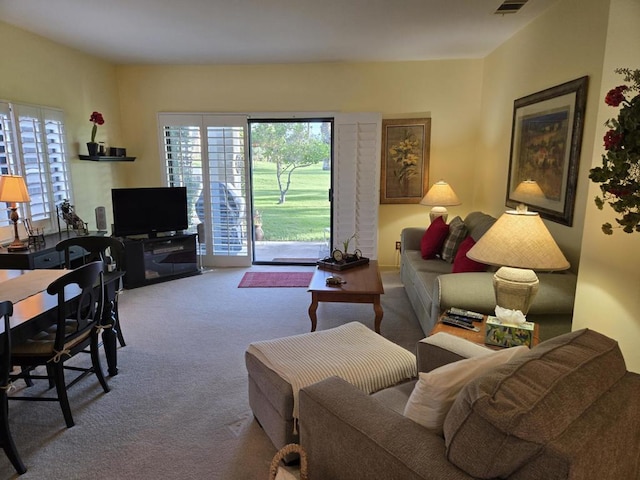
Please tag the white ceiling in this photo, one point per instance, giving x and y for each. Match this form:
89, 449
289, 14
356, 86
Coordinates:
271, 31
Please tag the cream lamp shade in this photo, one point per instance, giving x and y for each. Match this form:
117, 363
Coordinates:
14, 190
526, 192
519, 242
440, 196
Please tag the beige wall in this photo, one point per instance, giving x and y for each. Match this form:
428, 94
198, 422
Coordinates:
37, 71
566, 43
448, 90
608, 297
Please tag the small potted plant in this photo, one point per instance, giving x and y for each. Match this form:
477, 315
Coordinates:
97, 119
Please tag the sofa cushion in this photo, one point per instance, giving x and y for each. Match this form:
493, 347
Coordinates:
435, 391
433, 238
478, 223
462, 263
505, 418
457, 233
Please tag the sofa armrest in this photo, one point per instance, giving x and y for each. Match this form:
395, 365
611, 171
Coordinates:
443, 348
474, 291
348, 434
411, 238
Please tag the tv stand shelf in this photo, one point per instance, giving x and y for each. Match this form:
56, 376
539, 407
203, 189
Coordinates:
153, 260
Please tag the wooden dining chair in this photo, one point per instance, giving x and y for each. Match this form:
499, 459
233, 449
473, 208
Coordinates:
6, 440
76, 331
108, 250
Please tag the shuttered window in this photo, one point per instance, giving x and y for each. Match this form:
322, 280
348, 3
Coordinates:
33, 145
206, 153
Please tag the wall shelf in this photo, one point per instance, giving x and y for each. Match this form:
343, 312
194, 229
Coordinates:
106, 158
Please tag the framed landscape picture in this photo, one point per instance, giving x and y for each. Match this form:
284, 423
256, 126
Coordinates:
546, 139
405, 160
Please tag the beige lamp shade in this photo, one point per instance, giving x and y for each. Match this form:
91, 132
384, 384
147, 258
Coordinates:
13, 189
519, 240
527, 192
520, 243
440, 196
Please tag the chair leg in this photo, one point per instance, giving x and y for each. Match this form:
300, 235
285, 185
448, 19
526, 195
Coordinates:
117, 325
6, 440
24, 371
61, 390
95, 361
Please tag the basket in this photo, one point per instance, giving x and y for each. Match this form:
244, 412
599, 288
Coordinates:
278, 472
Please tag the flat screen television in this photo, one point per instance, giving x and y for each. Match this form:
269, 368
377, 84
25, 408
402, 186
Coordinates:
149, 211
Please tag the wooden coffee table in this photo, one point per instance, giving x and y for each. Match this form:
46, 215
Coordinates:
363, 285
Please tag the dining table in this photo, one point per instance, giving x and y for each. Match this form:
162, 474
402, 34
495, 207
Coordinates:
34, 309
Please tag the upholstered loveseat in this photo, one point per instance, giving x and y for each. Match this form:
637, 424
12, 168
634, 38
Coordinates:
566, 409
432, 287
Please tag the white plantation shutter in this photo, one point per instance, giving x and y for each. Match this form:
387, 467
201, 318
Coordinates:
357, 180
33, 144
206, 153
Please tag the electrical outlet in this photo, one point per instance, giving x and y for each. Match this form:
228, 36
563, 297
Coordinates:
398, 244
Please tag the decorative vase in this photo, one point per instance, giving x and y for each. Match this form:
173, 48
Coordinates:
92, 147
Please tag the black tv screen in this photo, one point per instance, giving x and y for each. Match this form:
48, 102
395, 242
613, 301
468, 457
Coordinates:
149, 211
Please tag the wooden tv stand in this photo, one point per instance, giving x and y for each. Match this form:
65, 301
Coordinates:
153, 260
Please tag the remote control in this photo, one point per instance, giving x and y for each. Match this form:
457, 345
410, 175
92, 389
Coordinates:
462, 319
459, 323
466, 313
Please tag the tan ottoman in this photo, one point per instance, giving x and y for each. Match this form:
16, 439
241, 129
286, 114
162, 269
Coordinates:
279, 368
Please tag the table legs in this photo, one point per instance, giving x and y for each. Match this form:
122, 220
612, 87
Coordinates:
356, 298
377, 308
312, 311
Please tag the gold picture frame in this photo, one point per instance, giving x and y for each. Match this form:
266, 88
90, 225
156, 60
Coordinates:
404, 176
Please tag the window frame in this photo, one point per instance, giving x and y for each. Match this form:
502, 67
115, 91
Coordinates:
33, 144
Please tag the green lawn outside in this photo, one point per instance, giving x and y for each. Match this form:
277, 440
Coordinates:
304, 215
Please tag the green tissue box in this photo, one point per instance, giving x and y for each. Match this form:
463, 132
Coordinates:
508, 335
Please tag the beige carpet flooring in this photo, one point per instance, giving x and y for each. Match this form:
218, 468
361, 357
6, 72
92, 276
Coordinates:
179, 407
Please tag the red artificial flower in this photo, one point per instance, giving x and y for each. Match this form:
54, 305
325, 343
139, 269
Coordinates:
615, 96
612, 139
96, 118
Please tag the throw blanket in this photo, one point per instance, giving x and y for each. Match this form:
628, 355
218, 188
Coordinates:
352, 352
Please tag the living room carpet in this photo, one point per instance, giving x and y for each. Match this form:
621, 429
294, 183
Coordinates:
275, 279
179, 406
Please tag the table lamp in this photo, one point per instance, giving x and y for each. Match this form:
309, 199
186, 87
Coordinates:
519, 243
13, 190
526, 192
440, 196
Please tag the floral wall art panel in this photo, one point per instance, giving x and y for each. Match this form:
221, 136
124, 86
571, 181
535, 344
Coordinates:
405, 160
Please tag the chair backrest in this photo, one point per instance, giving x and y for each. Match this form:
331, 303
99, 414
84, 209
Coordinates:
6, 310
83, 311
97, 248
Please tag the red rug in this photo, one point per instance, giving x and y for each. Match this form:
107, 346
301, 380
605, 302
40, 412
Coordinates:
275, 279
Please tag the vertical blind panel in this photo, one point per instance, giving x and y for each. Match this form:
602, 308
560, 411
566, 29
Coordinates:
35, 171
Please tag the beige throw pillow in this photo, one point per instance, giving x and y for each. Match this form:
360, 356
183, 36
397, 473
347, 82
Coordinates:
436, 390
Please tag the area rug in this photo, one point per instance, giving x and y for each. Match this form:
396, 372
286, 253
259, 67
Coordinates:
275, 279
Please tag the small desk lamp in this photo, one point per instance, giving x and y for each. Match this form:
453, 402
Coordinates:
519, 243
13, 190
440, 196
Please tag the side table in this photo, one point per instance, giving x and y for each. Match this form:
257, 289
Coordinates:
476, 337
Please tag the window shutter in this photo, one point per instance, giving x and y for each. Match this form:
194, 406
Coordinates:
357, 180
